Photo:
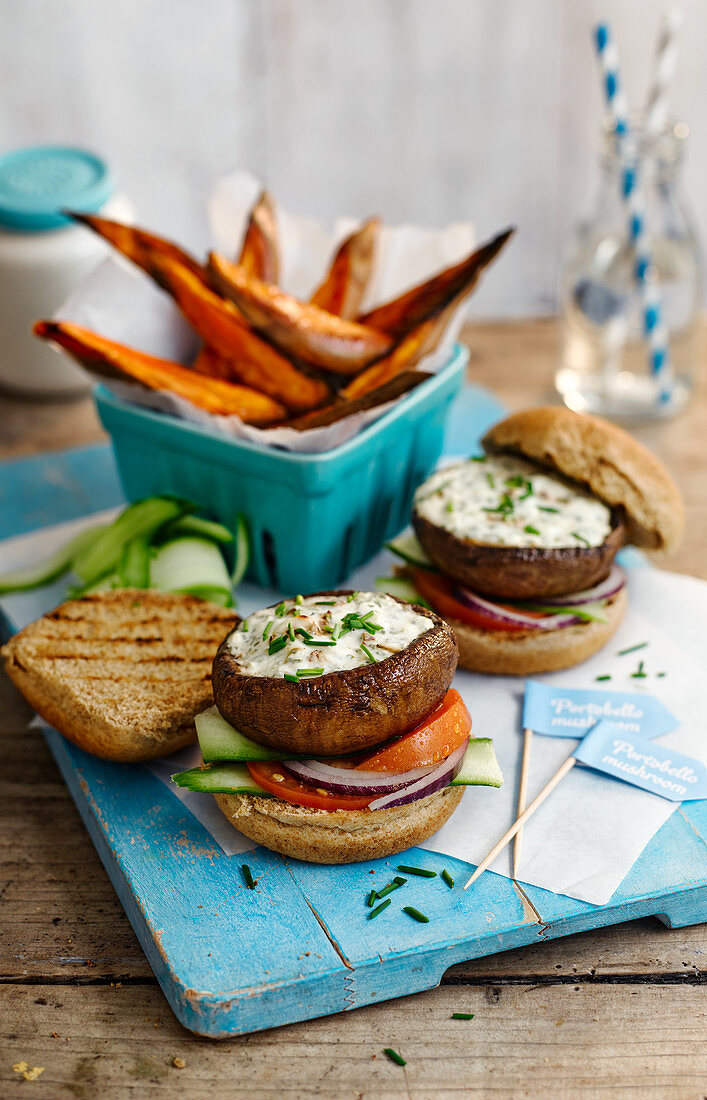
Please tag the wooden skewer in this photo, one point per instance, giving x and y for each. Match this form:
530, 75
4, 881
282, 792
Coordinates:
522, 793
537, 801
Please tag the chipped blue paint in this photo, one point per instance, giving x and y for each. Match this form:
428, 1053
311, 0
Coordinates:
232, 960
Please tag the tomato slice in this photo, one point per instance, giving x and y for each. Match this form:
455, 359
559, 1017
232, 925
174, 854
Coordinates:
440, 734
272, 777
437, 590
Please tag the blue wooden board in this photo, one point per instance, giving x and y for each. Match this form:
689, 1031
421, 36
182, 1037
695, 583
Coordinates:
231, 960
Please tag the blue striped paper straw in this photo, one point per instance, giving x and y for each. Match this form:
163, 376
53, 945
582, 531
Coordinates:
632, 195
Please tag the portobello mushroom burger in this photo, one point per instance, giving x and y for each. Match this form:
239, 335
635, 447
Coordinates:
336, 735
515, 547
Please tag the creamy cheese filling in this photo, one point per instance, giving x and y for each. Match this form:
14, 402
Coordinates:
314, 635
503, 500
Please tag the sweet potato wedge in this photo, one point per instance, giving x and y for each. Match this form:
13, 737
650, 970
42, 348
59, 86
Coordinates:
345, 284
138, 245
394, 387
260, 253
298, 328
252, 361
408, 352
108, 359
210, 363
400, 315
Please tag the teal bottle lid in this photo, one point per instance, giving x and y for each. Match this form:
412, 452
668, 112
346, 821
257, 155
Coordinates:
38, 183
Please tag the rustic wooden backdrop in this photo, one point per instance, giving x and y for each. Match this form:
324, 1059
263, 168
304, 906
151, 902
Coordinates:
481, 109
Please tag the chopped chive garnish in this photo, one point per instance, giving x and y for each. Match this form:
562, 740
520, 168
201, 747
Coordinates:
336, 632
639, 674
546, 508
378, 909
600, 678
268, 627
290, 632
299, 599
280, 609
528, 491
448, 878
394, 885
504, 508
244, 626
631, 649
394, 1056
310, 671
319, 641
324, 603
303, 633
276, 644
371, 899
450, 506
248, 876
479, 458
530, 530
491, 480
516, 482
462, 1015
369, 655
581, 538
416, 914
421, 871
290, 678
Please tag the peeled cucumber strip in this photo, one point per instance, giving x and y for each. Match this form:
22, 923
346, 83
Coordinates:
220, 779
402, 588
194, 566
242, 551
218, 740
479, 766
589, 612
34, 576
140, 520
202, 528
134, 571
407, 547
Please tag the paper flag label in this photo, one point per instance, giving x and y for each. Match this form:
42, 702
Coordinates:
570, 712
655, 768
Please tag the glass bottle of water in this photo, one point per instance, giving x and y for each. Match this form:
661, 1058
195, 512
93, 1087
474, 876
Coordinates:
605, 365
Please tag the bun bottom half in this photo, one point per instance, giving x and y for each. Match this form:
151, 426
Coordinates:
338, 836
522, 654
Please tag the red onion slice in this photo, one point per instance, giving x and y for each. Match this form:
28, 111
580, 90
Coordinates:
441, 776
514, 618
602, 591
350, 781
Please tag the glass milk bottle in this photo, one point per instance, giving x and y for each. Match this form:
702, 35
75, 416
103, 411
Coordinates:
43, 255
605, 364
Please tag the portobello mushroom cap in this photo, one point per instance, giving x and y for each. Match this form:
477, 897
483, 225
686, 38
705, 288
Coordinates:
519, 572
340, 712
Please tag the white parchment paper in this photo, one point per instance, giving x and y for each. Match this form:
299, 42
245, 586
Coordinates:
121, 302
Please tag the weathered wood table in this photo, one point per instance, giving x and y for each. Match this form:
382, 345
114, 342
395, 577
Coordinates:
621, 1012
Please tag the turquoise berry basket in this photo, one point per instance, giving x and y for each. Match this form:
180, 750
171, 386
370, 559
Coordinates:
312, 517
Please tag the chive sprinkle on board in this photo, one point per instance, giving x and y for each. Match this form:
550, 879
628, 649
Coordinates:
447, 878
462, 1015
248, 876
631, 649
379, 909
394, 1056
371, 899
600, 678
394, 885
421, 871
416, 914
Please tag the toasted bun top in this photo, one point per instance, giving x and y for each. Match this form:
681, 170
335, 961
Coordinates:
615, 466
